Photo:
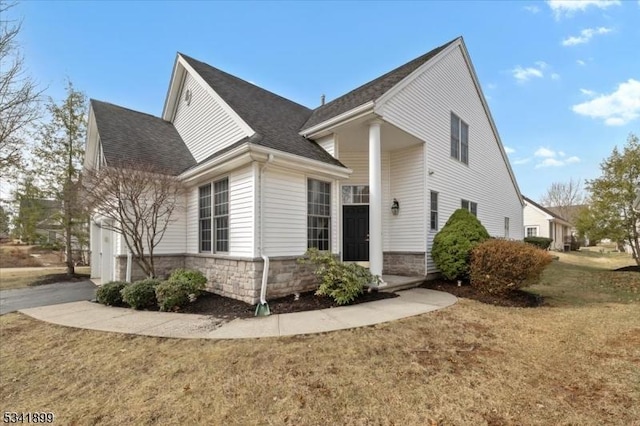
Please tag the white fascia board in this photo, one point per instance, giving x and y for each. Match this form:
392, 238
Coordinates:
172, 92
92, 140
307, 165
380, 102
247, 129
217, 163
345, 117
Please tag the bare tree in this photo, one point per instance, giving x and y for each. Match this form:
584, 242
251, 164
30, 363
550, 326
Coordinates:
19, 94
138, 203
563, 195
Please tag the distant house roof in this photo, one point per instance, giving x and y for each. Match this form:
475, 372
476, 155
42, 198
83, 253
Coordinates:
132, 137
545, 209
276, 120
369, 91
570, 213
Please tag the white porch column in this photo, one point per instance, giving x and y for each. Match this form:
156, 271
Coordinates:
375, 199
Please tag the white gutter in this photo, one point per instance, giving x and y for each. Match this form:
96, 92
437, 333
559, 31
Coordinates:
345, 116
297, 162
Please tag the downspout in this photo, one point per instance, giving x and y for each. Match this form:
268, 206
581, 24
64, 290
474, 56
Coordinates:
128, 276
263, 308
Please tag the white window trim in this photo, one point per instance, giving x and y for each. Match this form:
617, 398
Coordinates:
331, 189
436, 211
460, 123
536, 227
212, 218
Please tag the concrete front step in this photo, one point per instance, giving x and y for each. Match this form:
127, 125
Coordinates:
395, 283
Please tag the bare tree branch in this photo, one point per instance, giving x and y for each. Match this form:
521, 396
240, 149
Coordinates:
19, 95
139, 203
563, 195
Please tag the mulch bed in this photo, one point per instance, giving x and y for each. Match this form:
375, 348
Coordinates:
58, 278
516, 299
227, 308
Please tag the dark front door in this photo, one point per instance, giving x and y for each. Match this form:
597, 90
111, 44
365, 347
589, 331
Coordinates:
355, 234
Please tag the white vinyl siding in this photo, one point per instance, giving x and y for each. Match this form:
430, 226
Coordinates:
328, 144
174, 240
204, 125
407, 229
241, 214
423, 109
285, 213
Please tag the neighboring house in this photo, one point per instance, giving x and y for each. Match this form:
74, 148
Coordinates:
38, 221
371, 176
570, 214
541, 221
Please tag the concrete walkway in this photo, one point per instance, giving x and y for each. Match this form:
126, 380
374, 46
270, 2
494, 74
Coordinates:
163, 324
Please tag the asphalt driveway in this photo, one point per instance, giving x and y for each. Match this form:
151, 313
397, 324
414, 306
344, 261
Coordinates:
50, 294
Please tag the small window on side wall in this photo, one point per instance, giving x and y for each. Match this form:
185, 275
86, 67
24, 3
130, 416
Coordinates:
459, 139
433, 220
471, 206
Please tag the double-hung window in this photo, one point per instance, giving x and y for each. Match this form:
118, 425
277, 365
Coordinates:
471, 206
459, 139
318, 214
213, 216
433, 220
531, 231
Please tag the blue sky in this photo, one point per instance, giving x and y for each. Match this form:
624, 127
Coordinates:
562, 78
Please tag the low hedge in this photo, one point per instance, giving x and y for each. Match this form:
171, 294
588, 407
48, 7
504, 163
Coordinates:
540, 242
110, 293
140, 294
498, 266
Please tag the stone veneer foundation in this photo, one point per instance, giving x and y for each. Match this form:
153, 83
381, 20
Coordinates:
404, 263
241, 278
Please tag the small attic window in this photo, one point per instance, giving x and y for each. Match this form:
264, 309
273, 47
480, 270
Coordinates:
187, 96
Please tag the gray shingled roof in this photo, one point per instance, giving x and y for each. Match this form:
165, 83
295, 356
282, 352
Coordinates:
369, 91
129, 136
276, 120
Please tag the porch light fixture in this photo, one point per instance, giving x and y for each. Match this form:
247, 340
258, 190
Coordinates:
395, 207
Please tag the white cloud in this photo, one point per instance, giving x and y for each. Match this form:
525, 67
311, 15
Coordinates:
588, 92
550, 162
534, 9
509, 150
585, 36
551, 158
617, 108
492, 86
581, 62
569, 7
555, 76
525, 74
521, 161
544, 152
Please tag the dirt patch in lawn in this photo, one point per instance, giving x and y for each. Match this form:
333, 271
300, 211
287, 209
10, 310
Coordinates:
227, 308
517, 298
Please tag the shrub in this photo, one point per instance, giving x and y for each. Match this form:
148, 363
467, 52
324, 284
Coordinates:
343, 282
140, 294
498, 266
173, 295
540, 242
195, 279
576, 243
109, 293
453, 244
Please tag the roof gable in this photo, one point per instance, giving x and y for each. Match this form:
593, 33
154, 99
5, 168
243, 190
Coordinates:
132, 137
369, 91
275, 120
544, 209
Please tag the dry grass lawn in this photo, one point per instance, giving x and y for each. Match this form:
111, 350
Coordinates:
575, 362
17, 278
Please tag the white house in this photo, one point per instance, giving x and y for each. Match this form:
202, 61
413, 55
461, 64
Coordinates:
370, 176
540, 221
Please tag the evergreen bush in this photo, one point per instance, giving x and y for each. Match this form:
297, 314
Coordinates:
453, 244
